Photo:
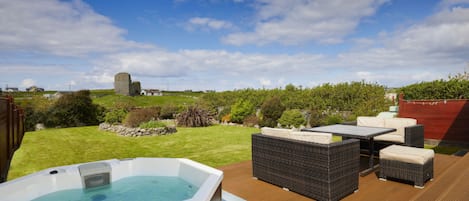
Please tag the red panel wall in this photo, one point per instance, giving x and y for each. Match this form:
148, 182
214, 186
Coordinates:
442, 119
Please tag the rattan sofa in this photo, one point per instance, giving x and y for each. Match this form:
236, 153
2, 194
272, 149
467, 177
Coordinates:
319, 171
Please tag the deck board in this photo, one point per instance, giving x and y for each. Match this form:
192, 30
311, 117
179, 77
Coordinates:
238, 180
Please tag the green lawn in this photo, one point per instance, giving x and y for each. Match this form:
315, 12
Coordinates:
214, 146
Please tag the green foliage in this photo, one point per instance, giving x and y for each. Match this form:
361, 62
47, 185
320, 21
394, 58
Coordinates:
75, 109
354, 97
240, 110
115, 116
292, 117
194, 116
152, 124
169, 111
315, 117
454, 88
137, 116
332, 119
271, 110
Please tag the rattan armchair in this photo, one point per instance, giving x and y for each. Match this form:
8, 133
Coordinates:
318, 171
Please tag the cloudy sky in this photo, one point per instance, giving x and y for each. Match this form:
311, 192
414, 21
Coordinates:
230, 44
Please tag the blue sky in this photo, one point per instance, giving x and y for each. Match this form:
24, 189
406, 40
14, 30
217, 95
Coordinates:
230, 44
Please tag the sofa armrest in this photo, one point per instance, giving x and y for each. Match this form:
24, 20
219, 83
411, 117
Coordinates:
414, 136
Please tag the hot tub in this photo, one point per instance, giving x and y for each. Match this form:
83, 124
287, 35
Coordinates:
87, 176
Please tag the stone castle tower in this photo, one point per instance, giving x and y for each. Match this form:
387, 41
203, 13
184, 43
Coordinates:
123, 85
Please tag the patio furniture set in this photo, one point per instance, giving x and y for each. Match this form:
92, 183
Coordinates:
310, 163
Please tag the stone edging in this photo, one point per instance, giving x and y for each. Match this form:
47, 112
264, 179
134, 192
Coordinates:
137, 132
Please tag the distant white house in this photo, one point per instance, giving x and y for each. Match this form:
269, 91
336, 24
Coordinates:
391, 96
12, 89
56, 95
151, 92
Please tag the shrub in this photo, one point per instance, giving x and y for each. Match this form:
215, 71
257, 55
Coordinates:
137, 116
169, 111
75, 109
271, 110
332, 119
240, 110
115, 116
251, 120
315, 117
292, 118
152, 124
194, 116
33, 117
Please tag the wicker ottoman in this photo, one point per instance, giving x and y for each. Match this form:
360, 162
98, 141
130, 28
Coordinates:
406, 163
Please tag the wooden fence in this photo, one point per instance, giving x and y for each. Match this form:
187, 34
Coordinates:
11, 133
443, 120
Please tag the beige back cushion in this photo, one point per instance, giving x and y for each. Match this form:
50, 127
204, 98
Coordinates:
370, 121
399, 124
317, 137
277, 132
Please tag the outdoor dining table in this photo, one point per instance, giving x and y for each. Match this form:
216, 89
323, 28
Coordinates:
358, 132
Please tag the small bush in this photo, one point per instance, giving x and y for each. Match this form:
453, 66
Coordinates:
315, 117
152, 124
333, 119
240, 110
135, 117
251, 120
194, 116
169, 111
292, 118
115, 116
271, 110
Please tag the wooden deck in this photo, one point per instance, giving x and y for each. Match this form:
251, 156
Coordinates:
451, 181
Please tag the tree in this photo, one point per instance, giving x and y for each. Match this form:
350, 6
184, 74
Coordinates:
271, 110
292, 117
240, 110
75, 109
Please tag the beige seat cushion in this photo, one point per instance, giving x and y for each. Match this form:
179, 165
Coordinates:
406, 154
277, 132
317, 137
390, 138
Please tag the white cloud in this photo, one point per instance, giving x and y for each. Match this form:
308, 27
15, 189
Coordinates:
59, 28
28, 83
265, 82
297, 21
205, 23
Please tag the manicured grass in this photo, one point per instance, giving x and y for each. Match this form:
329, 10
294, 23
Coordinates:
214, 146
443, 149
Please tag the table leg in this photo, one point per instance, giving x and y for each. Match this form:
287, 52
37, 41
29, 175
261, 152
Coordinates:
371, 160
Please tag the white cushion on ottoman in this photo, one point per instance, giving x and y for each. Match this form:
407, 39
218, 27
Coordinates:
406, 154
